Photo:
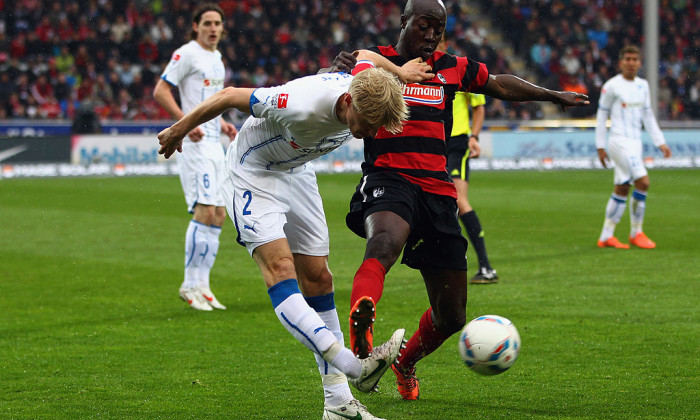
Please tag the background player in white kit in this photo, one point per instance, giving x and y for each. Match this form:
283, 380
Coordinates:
626, 100
197, 71
273, 198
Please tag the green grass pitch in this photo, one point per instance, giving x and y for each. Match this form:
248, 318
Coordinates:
91, 325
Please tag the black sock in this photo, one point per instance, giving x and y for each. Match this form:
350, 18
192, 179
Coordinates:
476, 236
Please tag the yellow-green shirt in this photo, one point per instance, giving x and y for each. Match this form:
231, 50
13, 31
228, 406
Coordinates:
460, 111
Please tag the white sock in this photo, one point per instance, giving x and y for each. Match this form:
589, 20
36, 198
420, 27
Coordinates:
342, 358
638, 206
195, 248
336, 390
613, 213
298, 317
210, 257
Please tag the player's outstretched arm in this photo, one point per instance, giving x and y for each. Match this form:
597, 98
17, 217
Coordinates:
413, 71
512, 88
170, 139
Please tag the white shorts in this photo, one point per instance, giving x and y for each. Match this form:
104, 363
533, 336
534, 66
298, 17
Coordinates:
269, 205
626, 153
201, 167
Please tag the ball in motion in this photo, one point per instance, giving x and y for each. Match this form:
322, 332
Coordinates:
489, 344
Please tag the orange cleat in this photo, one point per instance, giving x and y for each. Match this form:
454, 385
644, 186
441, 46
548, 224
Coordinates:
612, 242
407, 384
362, 327
641, 241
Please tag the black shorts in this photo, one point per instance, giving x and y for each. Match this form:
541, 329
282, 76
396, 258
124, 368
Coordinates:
458, 157
435, 240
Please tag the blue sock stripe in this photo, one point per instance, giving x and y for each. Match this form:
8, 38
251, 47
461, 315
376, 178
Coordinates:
295, 328
618, 199
639, 195
282, 290
215, 227
199, 223
194, 233
321, 303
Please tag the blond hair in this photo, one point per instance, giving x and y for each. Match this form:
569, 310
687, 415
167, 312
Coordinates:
377, 95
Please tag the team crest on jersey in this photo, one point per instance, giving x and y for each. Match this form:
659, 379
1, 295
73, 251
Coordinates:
378, 192
176, 57
423, 95
441, 78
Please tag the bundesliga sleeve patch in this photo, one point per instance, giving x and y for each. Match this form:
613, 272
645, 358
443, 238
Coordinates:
281, 100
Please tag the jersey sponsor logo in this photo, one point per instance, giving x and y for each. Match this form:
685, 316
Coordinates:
213, 82
425, 95
632, 104
282, 101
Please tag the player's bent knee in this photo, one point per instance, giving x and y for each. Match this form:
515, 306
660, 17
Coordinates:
282, 267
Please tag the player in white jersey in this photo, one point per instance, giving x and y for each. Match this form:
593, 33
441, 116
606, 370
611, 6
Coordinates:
626, 100
274, 202
197, 71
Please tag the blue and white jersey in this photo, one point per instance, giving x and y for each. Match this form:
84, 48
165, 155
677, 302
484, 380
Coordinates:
293, 123
198, 73
628, 104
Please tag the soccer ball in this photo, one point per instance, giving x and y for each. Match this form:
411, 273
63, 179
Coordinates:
489, 344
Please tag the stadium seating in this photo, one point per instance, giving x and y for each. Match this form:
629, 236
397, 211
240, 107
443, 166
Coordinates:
55, 56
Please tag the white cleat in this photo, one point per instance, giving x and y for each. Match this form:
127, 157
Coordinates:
374, 366
211, 299
352, 410
195, 299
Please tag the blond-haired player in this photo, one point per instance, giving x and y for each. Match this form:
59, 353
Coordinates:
273, 199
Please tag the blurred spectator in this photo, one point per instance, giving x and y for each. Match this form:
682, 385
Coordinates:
80, 44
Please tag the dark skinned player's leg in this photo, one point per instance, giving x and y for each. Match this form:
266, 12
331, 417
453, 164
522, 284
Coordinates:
386, 235
447, 292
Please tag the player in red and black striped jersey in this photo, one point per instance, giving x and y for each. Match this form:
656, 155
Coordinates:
406, 200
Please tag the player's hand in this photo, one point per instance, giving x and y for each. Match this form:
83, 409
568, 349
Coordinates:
474, 148
344, 61
569, 99
170, 140
229, 130
196, 135
603, 156
416, 71
665, 150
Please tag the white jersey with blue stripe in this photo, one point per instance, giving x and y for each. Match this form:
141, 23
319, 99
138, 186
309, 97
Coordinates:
198, 73
293, 123
628, 104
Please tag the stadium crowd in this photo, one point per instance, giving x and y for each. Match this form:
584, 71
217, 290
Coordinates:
56, 55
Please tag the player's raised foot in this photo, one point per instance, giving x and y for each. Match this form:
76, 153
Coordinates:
362, 317
211, 299
640, 240
374, 366
195, 299
407, 383
352, 410
612, 242
485, 276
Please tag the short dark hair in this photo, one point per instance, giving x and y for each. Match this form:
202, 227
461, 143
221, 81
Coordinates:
202, 9
628, 49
